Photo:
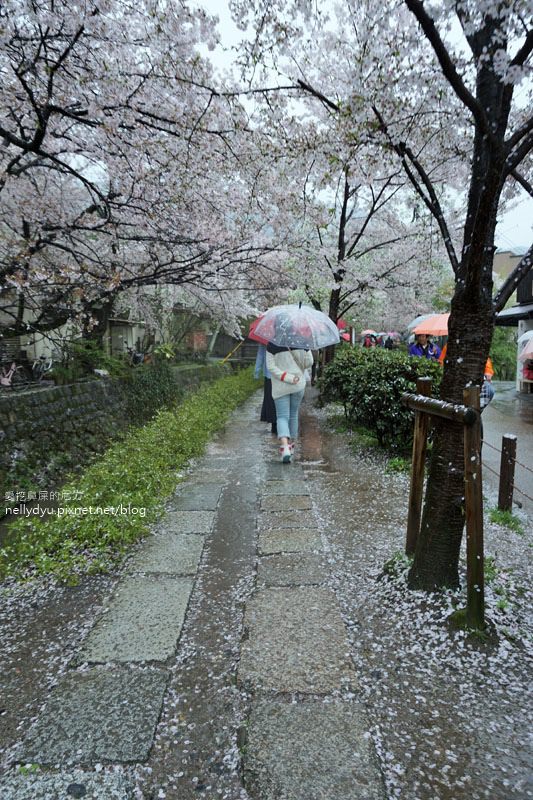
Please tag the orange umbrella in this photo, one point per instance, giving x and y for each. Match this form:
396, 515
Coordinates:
437, 325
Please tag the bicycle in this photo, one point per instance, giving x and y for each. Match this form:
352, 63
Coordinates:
40, 367
14, 376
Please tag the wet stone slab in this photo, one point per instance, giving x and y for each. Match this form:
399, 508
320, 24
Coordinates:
197, 498
291, 569
290, 540
286, 502
276, 471
65, 786
286, 487
211, 475
296, 642
143, 622
98, 715
188, 522
172, 554
286, 519
310, 751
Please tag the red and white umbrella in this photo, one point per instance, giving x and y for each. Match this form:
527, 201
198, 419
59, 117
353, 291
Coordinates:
252, 332
297, 326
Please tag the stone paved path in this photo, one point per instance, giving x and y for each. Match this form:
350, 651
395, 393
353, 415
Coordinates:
220, 665
249, 649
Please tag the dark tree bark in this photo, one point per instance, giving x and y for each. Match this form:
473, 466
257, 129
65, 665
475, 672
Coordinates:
471, 320
494, 159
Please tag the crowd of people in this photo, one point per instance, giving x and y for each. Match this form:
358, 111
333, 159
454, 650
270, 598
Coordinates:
287, 370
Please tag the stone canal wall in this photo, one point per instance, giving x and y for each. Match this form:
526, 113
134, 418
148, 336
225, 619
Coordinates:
48, 431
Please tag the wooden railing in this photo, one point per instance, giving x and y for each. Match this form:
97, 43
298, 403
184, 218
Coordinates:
425, 406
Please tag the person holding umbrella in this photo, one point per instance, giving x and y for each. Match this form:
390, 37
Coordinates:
287, 367
297, 331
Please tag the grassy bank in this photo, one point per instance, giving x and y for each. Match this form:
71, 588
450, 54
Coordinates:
136, 474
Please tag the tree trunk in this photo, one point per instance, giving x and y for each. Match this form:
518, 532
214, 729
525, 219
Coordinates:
436, 561
333, 313
96, 329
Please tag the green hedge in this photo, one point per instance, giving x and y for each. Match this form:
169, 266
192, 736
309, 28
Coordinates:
141, 470
370, 383
149, 388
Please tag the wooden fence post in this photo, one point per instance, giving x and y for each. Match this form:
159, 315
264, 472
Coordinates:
505, 494
423, 386
475, 604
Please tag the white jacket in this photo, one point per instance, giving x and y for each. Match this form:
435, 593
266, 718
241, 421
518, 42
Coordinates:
284, 366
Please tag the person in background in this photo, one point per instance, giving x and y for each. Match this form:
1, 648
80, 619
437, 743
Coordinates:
314, 368
369, 341
268, 409
286, 367
424, 347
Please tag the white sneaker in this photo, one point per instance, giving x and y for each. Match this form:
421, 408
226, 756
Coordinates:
285, 454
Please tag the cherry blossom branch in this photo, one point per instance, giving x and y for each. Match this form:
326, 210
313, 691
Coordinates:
448, 67
430, 199
525, 184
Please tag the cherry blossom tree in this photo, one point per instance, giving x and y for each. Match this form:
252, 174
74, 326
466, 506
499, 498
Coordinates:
121, 166
437, 83
352, 234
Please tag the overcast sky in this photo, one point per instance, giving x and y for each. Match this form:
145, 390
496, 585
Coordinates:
515, 227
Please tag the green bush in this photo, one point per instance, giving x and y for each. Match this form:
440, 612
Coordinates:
503, 353
140, 472
148, 388
79, 359
370, 383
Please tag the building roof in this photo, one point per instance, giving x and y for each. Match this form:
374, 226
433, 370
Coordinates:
511, 316
517, 252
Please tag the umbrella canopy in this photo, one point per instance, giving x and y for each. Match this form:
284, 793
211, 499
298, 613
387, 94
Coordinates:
253, 335
435, 325
527, 352
525, 336
417, 320
394, 335
341, 324
297, 326
368, 332
345, 336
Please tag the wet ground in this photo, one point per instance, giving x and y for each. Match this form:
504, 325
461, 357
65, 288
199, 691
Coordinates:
510, 412
378, 698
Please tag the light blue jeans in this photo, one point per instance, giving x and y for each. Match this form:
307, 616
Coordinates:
287, 408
